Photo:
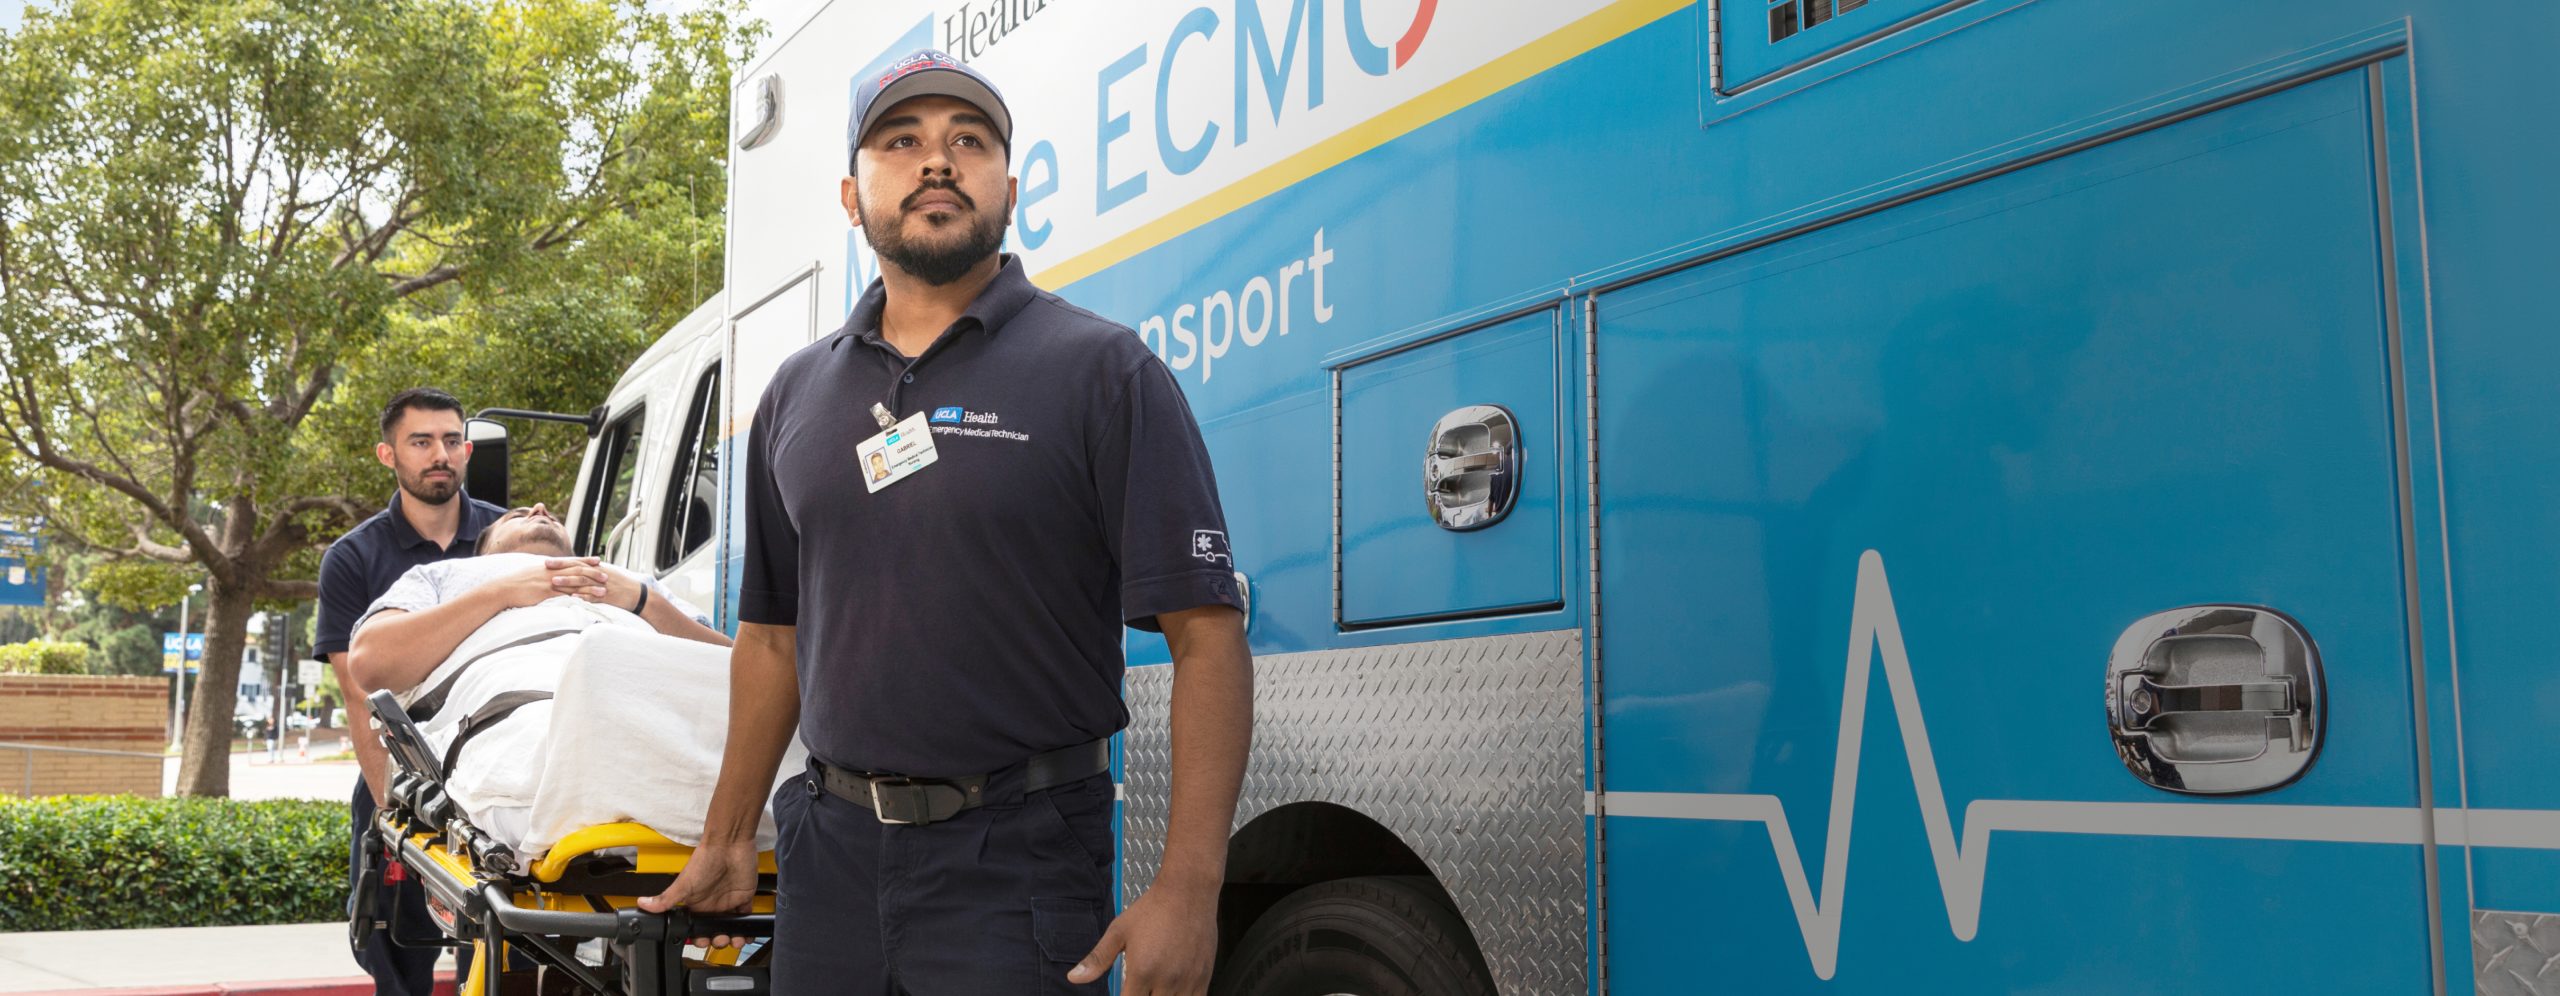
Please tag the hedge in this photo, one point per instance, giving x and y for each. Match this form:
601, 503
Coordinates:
44, 657
105, 862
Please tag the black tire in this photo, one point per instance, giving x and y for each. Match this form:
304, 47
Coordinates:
1357, 937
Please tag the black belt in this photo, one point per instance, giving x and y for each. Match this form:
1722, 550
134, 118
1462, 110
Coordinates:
899, 799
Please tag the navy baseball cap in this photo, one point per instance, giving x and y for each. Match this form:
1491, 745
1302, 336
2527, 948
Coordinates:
924, 73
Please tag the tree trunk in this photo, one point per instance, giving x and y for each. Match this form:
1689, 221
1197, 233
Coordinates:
206, 770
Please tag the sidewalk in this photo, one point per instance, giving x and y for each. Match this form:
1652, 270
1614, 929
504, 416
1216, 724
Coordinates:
252, 777
308, 959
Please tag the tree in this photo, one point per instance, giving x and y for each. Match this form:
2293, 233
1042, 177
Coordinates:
217, 215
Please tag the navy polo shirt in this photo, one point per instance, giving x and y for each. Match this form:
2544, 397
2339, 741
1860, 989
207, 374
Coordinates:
364, 562
968, 616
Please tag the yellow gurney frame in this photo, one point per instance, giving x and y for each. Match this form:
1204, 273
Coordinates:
586, 887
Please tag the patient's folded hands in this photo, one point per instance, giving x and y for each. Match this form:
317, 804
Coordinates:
533, 585
596, 581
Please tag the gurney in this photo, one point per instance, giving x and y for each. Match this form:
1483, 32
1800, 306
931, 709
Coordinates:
572, 915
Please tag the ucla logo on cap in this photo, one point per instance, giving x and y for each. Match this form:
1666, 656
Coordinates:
947, 415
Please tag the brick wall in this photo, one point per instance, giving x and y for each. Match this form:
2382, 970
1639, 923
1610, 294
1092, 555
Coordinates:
96, 713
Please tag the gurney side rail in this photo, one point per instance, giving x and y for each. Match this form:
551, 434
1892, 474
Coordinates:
620, 926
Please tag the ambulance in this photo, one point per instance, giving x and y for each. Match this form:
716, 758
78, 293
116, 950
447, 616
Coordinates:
1785, 496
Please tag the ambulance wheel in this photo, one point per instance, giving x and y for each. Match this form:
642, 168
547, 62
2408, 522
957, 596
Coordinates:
1357, 937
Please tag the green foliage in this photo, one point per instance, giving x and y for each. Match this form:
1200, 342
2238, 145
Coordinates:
229, 229
130, 650
136, 585
44, 657
119, 862
234, 226
19, 623
553, 331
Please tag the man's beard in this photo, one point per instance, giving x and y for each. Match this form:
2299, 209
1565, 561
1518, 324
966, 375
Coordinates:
935, 264
433, 492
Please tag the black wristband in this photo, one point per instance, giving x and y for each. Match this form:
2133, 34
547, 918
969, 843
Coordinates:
644, 599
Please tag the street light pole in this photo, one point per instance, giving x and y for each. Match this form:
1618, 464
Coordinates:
178, 708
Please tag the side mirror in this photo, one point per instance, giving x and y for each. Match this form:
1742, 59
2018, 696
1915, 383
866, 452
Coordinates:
486, 476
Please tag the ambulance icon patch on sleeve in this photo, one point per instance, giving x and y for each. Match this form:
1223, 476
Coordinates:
1211, 545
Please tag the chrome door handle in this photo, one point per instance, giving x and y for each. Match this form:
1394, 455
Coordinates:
2149, 701
2215, 699
1448, 466
1471, 470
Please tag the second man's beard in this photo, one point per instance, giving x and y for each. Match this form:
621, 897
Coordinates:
432, 492
938, 262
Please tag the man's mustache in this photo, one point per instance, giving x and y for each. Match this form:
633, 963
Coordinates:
944, 185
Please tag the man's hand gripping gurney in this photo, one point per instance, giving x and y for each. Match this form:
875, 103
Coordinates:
554, 752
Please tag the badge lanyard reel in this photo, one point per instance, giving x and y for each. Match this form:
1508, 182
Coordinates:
903, 447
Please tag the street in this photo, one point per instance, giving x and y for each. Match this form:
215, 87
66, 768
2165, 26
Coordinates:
252, 777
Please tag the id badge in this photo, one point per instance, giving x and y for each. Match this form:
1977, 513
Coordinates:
896, 452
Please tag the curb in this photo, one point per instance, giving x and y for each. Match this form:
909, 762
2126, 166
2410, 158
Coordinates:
356, 985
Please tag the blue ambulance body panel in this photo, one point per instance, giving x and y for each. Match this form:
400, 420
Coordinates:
2144, 375
1397, 565
1874, 380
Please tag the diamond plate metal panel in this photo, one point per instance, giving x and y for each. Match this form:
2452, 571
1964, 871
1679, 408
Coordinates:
2515, 954
1469, 750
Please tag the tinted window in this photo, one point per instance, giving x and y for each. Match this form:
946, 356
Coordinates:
693, 481
609, 491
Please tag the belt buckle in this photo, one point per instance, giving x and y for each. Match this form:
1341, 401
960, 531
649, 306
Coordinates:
879, 807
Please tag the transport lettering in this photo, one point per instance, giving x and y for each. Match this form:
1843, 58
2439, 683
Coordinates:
1199, 334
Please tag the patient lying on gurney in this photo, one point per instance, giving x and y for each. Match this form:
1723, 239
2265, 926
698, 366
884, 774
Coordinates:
560, 692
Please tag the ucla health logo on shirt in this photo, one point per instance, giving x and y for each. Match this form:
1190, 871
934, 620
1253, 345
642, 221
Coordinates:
962, 421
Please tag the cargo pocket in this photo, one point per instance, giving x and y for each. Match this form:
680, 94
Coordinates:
1067, 930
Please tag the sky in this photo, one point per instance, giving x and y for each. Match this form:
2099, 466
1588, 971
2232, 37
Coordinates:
782, 15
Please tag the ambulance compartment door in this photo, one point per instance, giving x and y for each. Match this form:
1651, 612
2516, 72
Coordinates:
1978, 440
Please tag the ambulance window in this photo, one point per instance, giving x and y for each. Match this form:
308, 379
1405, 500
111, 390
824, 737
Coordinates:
609, 491
693, 481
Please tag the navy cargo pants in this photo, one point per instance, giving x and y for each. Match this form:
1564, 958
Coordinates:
1000, 900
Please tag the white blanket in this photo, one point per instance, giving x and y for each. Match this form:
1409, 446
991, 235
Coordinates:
633, 733
637, 730
500, 767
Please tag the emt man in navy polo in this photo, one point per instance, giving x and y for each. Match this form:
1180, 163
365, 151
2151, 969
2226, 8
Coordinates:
953, 504
429, 519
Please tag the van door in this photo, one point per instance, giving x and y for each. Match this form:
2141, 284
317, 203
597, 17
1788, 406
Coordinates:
688, 510
762, 333
610, 509
2036, 449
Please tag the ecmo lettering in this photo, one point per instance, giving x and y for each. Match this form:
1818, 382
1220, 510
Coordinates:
1200, 334
1259, 56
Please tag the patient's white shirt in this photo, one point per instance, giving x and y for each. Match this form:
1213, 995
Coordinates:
429, 585
500, 766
